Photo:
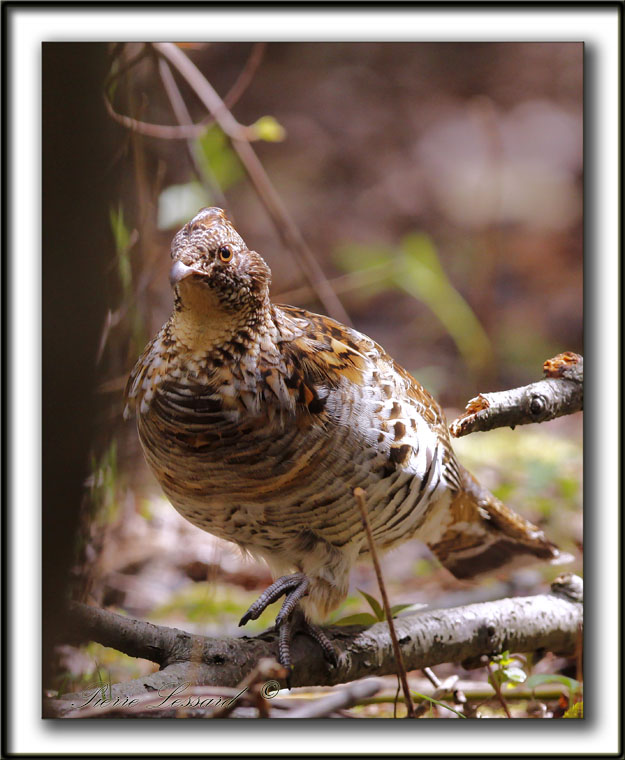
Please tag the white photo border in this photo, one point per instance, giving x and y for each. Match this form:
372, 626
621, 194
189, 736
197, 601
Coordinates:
598, 26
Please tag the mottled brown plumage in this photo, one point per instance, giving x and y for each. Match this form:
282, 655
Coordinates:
259, 420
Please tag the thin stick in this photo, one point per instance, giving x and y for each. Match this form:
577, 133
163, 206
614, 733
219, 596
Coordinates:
267, 670
351, 695
285, 226
206, 177
359, 495
432, 677
188, 130
481, 691
579, 655
247, 74
497, 687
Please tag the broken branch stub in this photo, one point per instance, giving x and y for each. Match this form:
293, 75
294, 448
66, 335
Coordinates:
560, 393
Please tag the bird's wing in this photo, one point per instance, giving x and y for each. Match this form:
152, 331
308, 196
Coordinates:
325, 354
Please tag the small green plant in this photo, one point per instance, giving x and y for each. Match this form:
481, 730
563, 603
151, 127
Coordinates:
366, 618
508, 671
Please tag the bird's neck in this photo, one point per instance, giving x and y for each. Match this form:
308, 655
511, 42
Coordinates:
202, 323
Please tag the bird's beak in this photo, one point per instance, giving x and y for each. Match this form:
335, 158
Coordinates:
180, 271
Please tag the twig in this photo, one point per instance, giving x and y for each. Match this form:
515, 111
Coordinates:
181, 113
432, 677
286, 227
338, 700
579, 655
497, 687
267, 670
246, 75
185, 131
114, 75
159, 131
341, 284
359, 495
562, 392
482, 691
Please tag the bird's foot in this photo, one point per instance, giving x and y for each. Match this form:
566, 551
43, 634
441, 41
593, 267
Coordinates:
288, 623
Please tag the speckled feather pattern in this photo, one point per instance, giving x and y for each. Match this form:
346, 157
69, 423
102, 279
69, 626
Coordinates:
259, 420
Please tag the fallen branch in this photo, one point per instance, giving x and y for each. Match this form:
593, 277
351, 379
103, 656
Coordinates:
341, 699
562, 392
522, 624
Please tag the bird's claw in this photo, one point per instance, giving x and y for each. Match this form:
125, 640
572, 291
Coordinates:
284, 585
295, 587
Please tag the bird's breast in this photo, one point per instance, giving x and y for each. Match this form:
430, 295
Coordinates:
239, 462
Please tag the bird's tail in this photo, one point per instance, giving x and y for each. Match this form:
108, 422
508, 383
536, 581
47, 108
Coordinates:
484, 535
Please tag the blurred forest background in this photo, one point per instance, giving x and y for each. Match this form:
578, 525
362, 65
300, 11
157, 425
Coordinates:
439, 187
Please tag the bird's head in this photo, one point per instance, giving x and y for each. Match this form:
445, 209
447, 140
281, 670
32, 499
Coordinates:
220, 285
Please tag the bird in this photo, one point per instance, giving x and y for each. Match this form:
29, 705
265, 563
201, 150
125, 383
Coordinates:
259, 420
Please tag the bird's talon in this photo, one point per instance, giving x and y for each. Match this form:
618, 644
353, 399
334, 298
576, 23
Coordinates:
287, 584
329, 652
247, 617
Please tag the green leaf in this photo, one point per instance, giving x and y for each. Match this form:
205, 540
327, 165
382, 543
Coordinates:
540, 678
397, 608
515, 674
374, 604
360, 618
219, 158
269, 129
354, 257
424, 278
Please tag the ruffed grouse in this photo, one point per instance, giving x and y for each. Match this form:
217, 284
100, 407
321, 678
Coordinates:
259, 421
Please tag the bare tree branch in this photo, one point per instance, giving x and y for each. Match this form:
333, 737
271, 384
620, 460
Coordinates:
523, 624
201, 169
562, 392
186, 130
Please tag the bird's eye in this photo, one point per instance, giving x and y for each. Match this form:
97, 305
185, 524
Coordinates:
225, 253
